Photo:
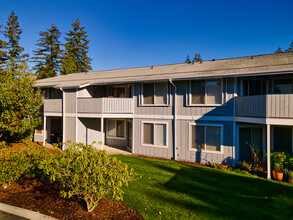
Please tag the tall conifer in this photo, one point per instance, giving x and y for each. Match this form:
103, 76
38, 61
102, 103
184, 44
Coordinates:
15, 56
75, 58
3, 57
48, 54
290, 49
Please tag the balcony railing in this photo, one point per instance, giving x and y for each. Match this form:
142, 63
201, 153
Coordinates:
53, 105
105, 105
265, 106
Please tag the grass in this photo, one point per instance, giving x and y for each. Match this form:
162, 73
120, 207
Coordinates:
170, 190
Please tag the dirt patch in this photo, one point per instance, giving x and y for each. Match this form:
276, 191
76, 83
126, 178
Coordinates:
43, 196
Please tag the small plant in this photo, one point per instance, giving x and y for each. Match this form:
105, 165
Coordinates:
255, 151
246, 166
87, 173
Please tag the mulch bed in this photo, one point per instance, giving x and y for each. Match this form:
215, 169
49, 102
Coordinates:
43, 196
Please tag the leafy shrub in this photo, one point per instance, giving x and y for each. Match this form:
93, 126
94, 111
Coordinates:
15, 163
87, 173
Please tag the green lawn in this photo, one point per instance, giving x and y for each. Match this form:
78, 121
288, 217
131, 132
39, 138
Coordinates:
170, 190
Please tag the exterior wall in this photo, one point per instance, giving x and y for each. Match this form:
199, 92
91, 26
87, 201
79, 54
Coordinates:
184, 153
150, 110
70, 129
89, 130
224, 110
70, 101
139, 148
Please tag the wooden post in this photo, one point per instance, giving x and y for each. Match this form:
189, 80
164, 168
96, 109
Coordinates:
269, 151
44, 130
102, 130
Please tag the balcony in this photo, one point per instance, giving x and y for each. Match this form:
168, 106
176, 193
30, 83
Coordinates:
105, 105
53, 105
265, 106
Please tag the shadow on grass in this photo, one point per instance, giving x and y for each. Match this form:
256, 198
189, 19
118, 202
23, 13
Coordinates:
218, 194
204, 193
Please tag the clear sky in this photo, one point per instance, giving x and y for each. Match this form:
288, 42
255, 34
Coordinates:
133, 33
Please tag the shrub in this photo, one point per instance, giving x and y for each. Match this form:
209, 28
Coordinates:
15, 163
87, 173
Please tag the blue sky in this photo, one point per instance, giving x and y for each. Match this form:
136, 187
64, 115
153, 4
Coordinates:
132, 33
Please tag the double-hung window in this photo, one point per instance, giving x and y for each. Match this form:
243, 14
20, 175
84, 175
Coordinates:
154, 134
206, 137
155, 93
116, 128
206, 92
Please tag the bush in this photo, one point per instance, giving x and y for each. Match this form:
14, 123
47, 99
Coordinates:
87, 173
15, 163
246, 166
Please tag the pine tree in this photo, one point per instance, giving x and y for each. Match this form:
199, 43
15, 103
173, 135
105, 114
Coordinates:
15, 56
75, 57
197, 58
290, 49
3, 44
48, 56
187, 59
279, 50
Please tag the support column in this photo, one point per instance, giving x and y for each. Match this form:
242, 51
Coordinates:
269, 151
102, 130
44, 130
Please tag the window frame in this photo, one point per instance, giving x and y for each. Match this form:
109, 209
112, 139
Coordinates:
189, 101
157, 105
205, 135
154, 123
107, 126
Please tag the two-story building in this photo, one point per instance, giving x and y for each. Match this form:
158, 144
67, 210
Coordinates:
206, 111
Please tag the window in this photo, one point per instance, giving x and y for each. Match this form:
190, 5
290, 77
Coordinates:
53, 94
117, 91
206, 92
116, 128
155, 93
254, 87
206, 137
282, 139
155, 134
283, 86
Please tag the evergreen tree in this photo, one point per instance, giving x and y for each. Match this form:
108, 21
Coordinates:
197, 58
279, 50
15, 56
48, 56
3, 44
75, 57
187, 59
290, 49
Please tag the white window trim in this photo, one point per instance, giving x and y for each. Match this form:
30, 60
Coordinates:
205, 125
155, 105
154, 123
107, 124
205, 97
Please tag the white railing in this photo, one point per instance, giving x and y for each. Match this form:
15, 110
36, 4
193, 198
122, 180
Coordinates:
105, 105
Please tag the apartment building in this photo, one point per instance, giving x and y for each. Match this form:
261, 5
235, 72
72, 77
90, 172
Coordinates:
210, 111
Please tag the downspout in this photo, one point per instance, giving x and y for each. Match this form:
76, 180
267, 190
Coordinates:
63, 118
175, 119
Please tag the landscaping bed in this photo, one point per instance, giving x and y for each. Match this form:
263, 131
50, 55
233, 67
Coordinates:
43, 196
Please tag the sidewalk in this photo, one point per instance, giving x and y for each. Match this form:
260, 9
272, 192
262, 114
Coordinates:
9, 212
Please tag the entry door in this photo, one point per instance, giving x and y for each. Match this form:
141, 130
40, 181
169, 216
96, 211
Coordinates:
249, 136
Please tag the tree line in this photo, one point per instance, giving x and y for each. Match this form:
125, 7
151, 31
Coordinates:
51, 58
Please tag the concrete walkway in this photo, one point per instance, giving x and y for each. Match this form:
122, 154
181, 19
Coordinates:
9, 212
115, 150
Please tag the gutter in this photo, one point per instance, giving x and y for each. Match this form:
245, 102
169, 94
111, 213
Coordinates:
175, 119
